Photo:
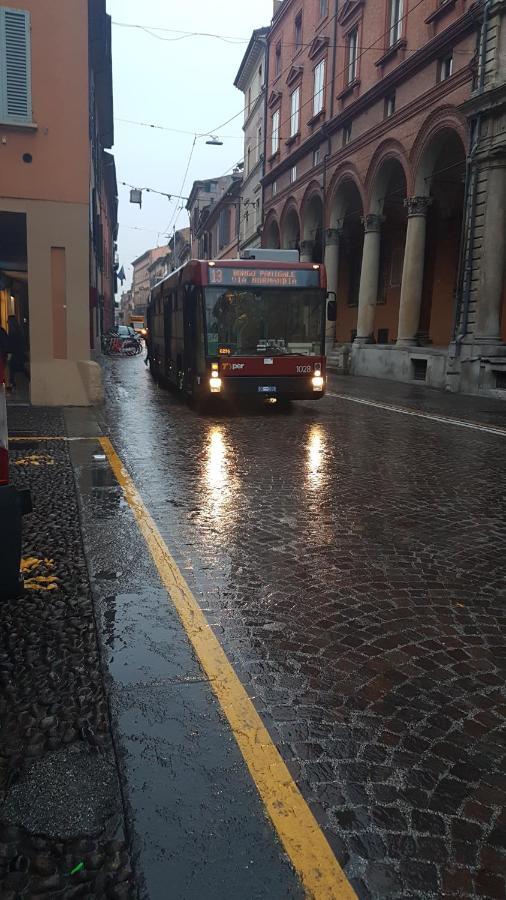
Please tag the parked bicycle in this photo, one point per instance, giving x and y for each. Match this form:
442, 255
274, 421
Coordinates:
121, 341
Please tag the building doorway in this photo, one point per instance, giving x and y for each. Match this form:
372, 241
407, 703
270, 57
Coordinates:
14, 305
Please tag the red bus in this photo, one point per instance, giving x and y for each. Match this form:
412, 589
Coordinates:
237, 328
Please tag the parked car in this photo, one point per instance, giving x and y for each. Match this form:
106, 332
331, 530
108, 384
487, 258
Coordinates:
13, 505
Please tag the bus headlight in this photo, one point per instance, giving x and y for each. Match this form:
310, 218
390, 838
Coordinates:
318, 383
215, 384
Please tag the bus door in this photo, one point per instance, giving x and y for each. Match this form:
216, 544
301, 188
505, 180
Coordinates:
190, 335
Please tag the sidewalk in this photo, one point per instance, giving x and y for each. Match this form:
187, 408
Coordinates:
62, 831
485, 410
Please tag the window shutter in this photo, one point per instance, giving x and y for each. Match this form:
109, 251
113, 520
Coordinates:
15, 99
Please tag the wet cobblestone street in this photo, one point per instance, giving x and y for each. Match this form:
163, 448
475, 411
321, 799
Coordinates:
60, 803
351, 562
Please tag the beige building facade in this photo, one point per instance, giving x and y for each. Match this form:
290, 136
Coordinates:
251, 80
142, 280
45, 167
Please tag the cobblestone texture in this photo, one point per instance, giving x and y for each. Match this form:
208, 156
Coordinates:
51, 691
352, 563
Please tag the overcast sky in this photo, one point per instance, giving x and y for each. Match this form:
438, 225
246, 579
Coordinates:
186, 84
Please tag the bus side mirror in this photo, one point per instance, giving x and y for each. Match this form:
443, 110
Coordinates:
332, 307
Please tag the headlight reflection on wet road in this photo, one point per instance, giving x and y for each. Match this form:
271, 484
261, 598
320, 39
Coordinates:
220, 481
317, 457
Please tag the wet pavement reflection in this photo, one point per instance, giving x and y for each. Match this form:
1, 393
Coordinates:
352, 564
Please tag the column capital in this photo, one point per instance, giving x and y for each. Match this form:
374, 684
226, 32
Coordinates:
417, 206
333, 235
372, 222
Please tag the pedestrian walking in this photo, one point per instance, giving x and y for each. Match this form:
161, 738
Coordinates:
17, 352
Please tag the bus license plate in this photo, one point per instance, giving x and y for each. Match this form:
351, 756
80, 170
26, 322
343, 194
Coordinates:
267, 390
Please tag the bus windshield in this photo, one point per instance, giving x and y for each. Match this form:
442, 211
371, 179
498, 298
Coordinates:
264, 321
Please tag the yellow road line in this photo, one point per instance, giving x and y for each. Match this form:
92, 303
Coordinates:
304, 842
38, 437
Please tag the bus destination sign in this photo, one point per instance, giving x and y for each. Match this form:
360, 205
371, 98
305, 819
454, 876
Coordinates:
276, 278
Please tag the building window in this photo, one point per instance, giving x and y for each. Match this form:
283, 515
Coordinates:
396, 16
275, 132
445, 68
293, 174
274, 188
277, 63
351, 72
260, 148
224, 227
317, 155
346, 134
324, 8
248, 164
15, 81
298, 31
260, 73
389, 105
319, 87
294, 112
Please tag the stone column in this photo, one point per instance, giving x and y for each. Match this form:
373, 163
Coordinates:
368, 294
412, 271
332, 236
492, 265
306, 251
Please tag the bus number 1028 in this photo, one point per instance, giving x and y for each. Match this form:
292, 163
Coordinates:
304, 370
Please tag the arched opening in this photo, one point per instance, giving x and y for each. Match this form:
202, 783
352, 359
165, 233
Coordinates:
441, 174
290, 230
347, 215
271, 236
313, 227
388, 196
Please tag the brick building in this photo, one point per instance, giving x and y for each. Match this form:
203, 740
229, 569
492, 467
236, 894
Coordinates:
214, 208
383, 139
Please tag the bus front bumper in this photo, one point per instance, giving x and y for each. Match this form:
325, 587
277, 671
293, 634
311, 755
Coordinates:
285, 387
